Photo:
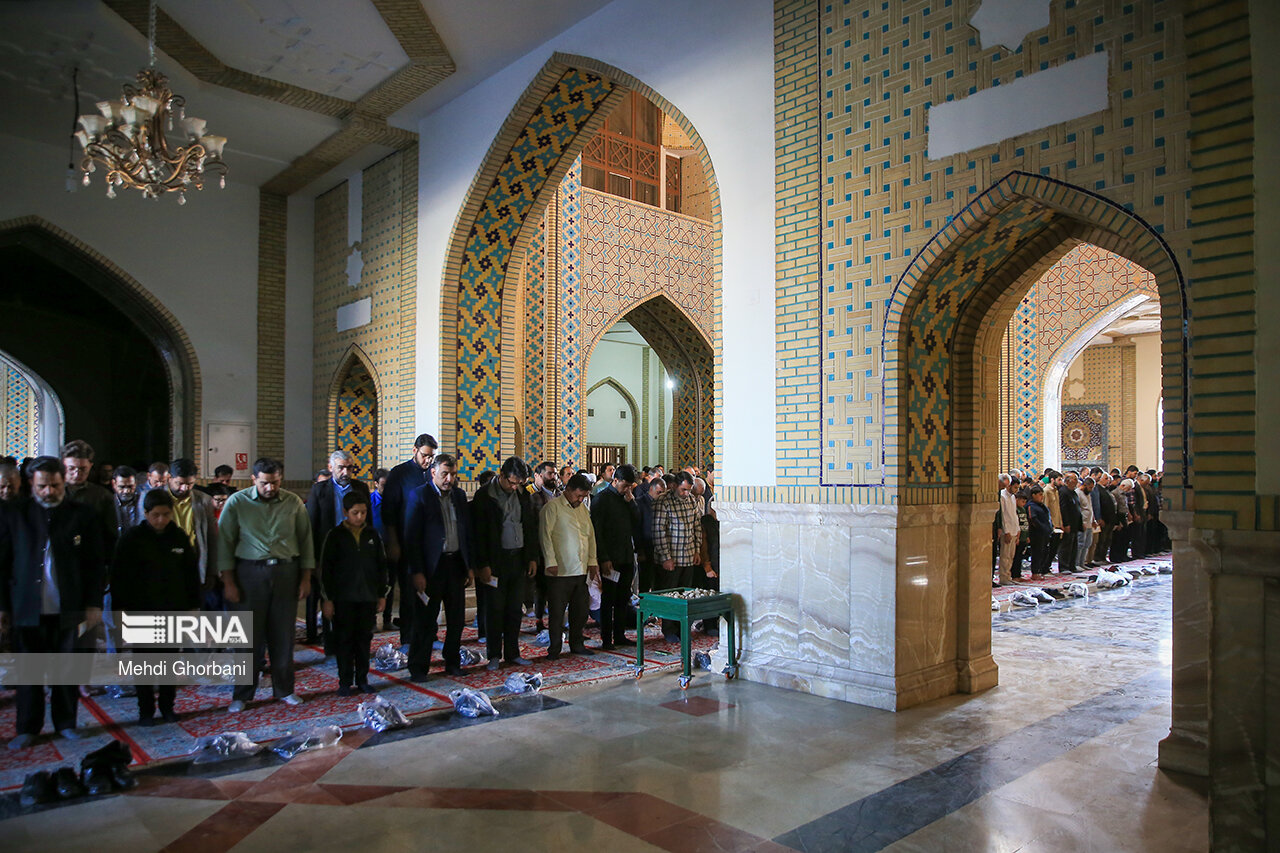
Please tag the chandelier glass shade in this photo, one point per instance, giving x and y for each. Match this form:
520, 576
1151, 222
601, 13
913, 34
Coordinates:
130, 140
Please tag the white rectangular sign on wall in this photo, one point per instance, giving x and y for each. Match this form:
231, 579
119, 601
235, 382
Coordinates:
228, 443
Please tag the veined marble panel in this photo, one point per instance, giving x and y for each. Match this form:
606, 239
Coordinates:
817, 587
926, 587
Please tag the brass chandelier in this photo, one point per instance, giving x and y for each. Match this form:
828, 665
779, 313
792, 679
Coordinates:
130, 139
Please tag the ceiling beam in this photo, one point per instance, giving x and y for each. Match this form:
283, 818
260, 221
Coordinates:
364, 122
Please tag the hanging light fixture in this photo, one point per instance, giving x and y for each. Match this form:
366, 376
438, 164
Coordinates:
130, 139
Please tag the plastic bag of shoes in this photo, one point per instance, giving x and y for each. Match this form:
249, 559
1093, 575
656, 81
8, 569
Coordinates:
223, 747
1021, 598
471, 703
1111, 580
121, 691
380, 715
702, 660
1078, 590
318, 737
523, 682
389, 659
1042, 596
468, 657
543, 638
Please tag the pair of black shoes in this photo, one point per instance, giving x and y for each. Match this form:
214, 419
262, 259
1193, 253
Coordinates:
45, 787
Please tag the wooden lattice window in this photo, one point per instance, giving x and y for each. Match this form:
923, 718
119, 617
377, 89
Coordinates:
673, 184
624, 158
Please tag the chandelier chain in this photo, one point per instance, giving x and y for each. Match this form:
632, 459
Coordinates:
151, 33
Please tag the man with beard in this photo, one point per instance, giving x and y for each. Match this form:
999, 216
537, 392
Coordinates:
324, 508
128, 508
196, 516
51, 577
504, 545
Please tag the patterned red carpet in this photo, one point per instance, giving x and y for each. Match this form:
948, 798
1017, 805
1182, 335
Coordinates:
204, 709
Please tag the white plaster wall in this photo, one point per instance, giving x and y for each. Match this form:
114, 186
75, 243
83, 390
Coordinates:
714, 61
200, 260
606, 425
1147, 378
298, 334
1264, 31
624, 362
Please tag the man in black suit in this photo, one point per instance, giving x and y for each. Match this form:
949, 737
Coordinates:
437, 537
505, 548
52, 569
615, 516
402, 481
324, 508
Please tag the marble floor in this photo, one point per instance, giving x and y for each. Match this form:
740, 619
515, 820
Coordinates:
1059, 757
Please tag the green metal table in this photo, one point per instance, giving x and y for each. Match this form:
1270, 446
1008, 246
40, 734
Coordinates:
686, 611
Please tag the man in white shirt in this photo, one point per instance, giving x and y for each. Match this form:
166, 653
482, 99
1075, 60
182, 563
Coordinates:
1009, 528
569, 551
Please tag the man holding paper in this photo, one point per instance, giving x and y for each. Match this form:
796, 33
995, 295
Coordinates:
436, 544
569, 550
615, 516
504, 548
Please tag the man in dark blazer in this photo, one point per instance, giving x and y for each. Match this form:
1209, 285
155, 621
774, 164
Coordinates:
504, 548
436, 543
52, 566
402, 481
615, 516
324, 508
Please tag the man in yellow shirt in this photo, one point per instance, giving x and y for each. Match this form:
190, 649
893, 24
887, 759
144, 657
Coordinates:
569, 550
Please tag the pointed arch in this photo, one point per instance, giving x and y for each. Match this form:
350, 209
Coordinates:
967, 280
631, 403
355, 414
45, 420
564, 106
160, 327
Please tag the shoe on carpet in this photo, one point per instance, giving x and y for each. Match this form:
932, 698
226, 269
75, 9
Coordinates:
584, 651
148, 722
420, 677
493, 665
169, 716
454, 671
36, 788
69, 734
553, 656
97, 780
67, 784
365, 688
521, 662
344, 690
607, 647
235, 707
291, 699
22, 741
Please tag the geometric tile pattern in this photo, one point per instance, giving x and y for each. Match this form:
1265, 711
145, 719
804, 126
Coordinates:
1084, 435
535, 331
356, 418
930, 337
570, 362
1082, 285
383, 347
632, 250
881, 66
19, 416
524, 171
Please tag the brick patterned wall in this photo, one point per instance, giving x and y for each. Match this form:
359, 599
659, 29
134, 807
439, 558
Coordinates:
382, 348
1108, 374
882, 68
797, 180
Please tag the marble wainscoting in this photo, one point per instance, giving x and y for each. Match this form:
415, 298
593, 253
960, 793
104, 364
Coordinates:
818, 597
943, 633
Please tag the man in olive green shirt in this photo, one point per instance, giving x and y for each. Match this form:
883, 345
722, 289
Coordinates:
266, 557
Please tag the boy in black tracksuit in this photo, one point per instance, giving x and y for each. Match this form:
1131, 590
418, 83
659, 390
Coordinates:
156, 567
353, 583
1041, 530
